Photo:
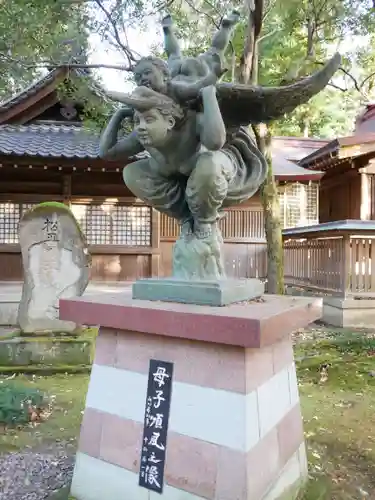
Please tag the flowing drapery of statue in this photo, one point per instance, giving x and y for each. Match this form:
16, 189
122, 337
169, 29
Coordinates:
201, 158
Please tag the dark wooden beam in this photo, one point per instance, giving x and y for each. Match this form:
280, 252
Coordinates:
81, 164
17, 109
35, 110
67, 188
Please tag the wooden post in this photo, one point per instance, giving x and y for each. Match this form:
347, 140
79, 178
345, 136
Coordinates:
155, 243
365, 209
67, 189
346, 265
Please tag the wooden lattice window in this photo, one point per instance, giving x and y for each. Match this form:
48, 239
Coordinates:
299, 205
115, 224
10, 215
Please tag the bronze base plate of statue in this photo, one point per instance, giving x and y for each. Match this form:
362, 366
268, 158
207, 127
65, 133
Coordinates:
200, 158
201, 292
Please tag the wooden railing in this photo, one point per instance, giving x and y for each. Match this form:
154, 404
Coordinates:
333, 258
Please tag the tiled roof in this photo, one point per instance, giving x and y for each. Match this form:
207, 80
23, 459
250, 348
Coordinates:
286, 170
296, 148
48, 141
51, 140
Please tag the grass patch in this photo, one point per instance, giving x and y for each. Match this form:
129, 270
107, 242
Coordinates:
339, 416
67, 394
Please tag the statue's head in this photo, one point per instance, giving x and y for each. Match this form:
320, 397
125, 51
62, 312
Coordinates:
152, 72
155, 116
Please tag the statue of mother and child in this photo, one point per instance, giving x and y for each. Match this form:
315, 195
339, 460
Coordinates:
201, 158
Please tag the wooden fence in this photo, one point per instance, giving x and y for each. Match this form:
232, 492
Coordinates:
333, 258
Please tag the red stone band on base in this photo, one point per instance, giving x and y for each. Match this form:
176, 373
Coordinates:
246, 325
198, 363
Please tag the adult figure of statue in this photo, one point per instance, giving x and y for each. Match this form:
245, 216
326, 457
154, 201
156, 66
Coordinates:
191, 174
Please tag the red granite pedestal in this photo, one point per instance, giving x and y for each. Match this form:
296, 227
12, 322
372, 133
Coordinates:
235, 429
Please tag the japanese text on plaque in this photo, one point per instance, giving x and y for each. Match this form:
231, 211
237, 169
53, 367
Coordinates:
158, 399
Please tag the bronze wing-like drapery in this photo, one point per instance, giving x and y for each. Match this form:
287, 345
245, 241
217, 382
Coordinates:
246, 104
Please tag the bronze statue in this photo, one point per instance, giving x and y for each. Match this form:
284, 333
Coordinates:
201, 157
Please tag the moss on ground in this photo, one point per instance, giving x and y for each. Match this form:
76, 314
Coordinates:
33, 354
339, 415
67, 394
10, 335
89, 332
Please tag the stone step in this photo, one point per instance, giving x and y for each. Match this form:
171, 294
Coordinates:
46, 351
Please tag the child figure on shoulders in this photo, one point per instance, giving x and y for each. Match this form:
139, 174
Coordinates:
210, 65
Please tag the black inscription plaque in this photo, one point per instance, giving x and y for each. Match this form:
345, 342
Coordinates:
155, 429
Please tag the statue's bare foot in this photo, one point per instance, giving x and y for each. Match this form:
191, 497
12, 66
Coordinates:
231, 20
167, 22
202, 230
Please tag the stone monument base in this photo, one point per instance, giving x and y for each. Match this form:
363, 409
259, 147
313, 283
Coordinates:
201, 292
235, 428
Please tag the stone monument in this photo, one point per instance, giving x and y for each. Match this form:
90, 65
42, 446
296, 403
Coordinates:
55, 262
201, 157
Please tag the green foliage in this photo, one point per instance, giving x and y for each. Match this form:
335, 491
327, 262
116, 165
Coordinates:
297, 36
329, 114
84, 89
16, 402
33, 31
287, 53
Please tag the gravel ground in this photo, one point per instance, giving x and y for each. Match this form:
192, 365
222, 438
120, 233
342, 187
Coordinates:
33, 475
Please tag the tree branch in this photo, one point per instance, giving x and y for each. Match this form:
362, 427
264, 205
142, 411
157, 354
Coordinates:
357, 85
363, 82
52, 64
261, 38
128, 53
333, 85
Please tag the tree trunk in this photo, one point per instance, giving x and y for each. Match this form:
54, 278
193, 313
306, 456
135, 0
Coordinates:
272, 219
269, 195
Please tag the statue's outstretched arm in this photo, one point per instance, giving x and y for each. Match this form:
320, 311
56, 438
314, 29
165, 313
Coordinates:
171, 43
187, 91
112, 149
211, 125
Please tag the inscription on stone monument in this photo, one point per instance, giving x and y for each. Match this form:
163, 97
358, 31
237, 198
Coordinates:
154, 444
55, 264
50, 229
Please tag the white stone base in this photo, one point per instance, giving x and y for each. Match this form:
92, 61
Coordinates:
349, 312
